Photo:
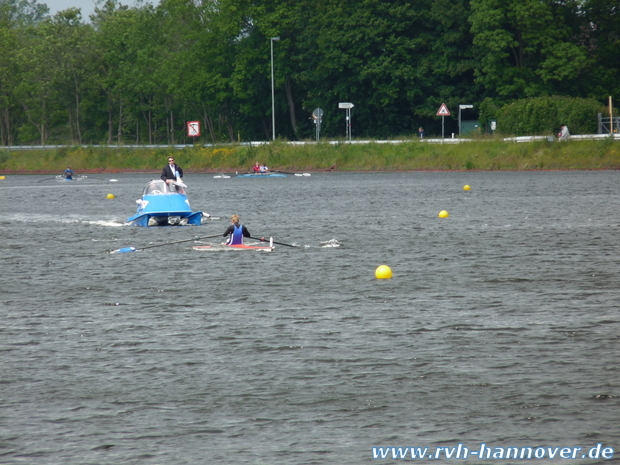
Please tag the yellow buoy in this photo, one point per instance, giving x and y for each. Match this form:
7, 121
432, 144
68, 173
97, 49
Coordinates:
383, 272
466, 187
111, 196
443, 214
2, 177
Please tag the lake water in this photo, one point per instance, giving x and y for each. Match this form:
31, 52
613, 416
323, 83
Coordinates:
500, 325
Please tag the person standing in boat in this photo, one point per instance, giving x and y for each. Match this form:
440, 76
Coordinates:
68, 173
171, 171
236, 231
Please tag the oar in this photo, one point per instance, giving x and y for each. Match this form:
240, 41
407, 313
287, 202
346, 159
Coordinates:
48, 179
101, 179
288, 172
262, 239
133, 249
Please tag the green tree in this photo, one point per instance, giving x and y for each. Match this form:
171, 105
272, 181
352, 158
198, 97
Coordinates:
16, 18
23, 12
36, 92
66, 45
526, 48
367, 53
9, 79
201, 41
601, 36
128, 44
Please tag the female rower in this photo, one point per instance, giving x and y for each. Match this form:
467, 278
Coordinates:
237, 231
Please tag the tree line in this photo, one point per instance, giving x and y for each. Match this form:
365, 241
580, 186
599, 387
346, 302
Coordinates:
139, 74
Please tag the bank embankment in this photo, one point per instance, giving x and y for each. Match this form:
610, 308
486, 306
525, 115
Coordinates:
486, 155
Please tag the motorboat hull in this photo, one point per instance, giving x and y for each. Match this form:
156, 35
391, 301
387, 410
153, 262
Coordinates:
166, 219
163, 204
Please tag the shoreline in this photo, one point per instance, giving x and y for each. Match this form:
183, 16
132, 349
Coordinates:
406, 157
218, 171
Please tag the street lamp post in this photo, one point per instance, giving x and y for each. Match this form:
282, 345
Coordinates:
273, 105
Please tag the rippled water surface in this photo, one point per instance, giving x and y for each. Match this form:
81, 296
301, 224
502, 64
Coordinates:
500, 325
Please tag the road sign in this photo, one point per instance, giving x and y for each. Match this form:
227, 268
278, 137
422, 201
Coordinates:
193, 128
443, 110
347, 106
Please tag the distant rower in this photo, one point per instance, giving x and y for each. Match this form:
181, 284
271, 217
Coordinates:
259, 168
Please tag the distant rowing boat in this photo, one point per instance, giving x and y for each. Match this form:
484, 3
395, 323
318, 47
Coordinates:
261, 175
62, 177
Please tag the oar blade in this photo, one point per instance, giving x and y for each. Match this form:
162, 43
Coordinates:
124, 250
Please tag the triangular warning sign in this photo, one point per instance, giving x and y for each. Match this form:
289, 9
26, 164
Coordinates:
443, 110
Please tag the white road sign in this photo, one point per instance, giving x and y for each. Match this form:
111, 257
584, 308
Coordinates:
443, 110
193, 128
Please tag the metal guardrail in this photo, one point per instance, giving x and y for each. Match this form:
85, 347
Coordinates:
576, 137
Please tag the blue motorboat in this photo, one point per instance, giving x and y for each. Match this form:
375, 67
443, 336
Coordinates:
164, 204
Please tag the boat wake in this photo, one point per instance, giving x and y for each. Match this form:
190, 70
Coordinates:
330, 243
48, 218
106, 223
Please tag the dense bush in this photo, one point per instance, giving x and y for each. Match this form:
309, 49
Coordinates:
545, 115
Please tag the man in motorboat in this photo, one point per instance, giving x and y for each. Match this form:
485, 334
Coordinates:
171, 172
236, 231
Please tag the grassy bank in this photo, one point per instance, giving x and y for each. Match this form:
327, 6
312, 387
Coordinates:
478, 155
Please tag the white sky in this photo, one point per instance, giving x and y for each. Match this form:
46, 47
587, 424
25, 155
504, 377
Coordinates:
87, 6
